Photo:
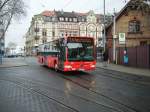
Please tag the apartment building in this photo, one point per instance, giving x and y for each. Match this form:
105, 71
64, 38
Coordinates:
50, 25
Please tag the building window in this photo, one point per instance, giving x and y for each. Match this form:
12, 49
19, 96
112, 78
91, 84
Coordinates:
70, 33
36, 29
61, 18
134, 26
66, 19
83, 20
44, 40
44, 32
53, 34
53, 19
79, 19
75, 19
142, 43
70, 19
47, 19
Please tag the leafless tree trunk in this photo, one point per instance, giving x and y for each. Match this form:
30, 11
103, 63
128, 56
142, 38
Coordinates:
3, 3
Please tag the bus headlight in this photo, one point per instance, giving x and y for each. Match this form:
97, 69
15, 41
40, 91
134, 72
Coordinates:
68, 66
93, 66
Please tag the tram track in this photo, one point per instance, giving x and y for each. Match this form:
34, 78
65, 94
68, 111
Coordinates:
110, 98
130, 81
115, 75
32, 89
132, 109
125, 76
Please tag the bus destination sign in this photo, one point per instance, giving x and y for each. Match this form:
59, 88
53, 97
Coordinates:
78, 39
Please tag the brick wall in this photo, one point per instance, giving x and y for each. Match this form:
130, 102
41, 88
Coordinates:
122, 25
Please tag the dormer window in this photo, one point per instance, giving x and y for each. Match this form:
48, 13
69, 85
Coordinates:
75, 19
47, 19
66, 19
61, 18
79, 19
70, 19
134, 26
83, 20
53, 18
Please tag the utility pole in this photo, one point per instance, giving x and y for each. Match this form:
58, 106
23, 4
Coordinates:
1, 41
114, 37
104, 34
0, 51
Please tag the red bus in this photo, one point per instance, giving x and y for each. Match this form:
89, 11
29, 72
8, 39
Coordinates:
69, 54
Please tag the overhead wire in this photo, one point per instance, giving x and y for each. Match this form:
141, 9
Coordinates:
67, 4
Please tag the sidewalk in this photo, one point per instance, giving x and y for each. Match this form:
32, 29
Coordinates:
125, 69
13, 62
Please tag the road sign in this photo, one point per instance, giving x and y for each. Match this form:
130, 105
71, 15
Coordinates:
115, 36
122, 38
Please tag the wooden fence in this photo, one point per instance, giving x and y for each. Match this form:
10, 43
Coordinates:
137, 56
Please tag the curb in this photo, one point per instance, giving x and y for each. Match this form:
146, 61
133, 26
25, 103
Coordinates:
109, 69
124, 72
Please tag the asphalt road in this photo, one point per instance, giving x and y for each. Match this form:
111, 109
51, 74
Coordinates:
34, 88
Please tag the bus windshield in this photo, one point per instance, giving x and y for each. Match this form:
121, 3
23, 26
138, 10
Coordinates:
80, 51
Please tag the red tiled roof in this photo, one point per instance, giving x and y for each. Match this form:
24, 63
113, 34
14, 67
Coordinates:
48, 13
81, 14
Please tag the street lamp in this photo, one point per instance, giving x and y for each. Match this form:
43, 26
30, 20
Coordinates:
104, 35
0, 52
96, 37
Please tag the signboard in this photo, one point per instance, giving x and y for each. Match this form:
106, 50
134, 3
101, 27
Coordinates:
115, 36
122, 38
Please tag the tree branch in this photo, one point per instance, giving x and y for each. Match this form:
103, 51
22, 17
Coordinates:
4, 3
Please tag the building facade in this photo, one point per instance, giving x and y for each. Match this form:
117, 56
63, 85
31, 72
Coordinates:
134, 23
50, 25
129, 43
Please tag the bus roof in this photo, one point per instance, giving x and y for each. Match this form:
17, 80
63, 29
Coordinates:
74, 37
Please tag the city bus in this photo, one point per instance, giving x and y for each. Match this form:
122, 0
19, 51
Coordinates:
68, 54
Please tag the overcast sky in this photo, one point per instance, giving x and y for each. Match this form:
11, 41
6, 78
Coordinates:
18, 28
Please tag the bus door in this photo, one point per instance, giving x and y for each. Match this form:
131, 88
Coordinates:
61, 57
45, 60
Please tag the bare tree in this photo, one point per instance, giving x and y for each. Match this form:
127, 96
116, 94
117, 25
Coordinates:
143, 5
10, 9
